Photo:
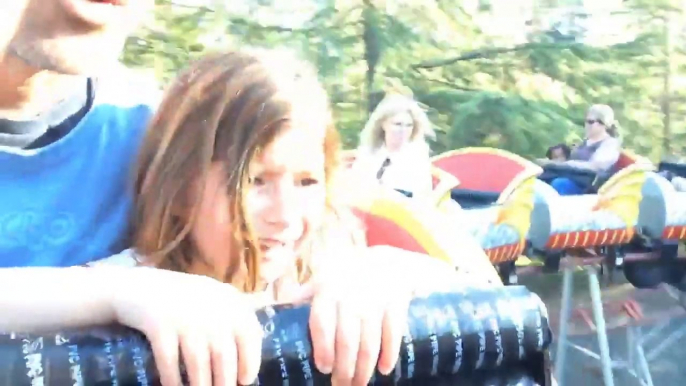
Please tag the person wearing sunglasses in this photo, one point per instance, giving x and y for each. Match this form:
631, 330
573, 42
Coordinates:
599, 151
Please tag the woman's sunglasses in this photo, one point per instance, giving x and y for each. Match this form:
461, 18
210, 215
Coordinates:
593, 121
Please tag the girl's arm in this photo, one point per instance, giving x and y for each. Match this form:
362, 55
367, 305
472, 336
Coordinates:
52, 298
173, 310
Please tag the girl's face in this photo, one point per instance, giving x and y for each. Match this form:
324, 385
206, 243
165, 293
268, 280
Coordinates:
398, 130
558, 155
284, 203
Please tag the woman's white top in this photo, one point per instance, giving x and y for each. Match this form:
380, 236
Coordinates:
409, 169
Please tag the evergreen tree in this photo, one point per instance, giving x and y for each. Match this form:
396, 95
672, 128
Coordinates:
521, 91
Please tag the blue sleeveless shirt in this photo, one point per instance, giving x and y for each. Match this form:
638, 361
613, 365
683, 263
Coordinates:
69, 202
584, 152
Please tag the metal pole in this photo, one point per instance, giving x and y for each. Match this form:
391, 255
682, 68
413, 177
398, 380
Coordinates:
599, 318
565, 313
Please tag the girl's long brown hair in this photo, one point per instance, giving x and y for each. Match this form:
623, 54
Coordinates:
224, 108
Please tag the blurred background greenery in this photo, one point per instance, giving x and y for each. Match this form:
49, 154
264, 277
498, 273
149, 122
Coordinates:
512, 74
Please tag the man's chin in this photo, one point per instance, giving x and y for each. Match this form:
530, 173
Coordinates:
75, 55
92, 69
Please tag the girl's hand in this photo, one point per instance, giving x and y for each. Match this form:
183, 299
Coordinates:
212, 324
359, 310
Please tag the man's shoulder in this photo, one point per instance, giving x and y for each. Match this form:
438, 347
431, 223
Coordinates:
127, 88
126, 99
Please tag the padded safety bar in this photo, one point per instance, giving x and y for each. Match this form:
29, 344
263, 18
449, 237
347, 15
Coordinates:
583, 177
678, 169
468, 198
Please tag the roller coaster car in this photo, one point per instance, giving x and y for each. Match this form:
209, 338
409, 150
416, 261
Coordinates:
443, 184
484, 173
496, 192
626, 159
653, 223
677, 169
590, 220
579, 241
636, 207
591, 180
653, 259
391, 219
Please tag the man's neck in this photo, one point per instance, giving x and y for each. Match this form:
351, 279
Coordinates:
26, 91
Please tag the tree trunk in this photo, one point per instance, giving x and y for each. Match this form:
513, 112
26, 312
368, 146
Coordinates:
667, 89
372, 49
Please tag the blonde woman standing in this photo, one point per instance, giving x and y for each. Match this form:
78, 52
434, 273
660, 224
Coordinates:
393, 150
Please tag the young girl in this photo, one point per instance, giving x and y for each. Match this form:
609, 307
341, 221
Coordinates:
236, 181
559, 153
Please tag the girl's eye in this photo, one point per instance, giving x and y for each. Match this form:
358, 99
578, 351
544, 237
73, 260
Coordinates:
308, 182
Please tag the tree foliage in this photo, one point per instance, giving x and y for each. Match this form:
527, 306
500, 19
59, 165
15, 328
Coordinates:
479, 88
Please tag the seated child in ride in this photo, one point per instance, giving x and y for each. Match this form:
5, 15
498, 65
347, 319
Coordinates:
599, 152
236, 181
559, 152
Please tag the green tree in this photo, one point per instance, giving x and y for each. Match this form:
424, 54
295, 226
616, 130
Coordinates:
479, 88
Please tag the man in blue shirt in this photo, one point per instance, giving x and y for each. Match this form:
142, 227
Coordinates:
67, 136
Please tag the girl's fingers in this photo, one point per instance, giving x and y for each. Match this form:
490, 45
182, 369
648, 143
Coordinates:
247, 349
323, 320
347, 345
165, 348
196, 356
394, 328
370, 346
224, 358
